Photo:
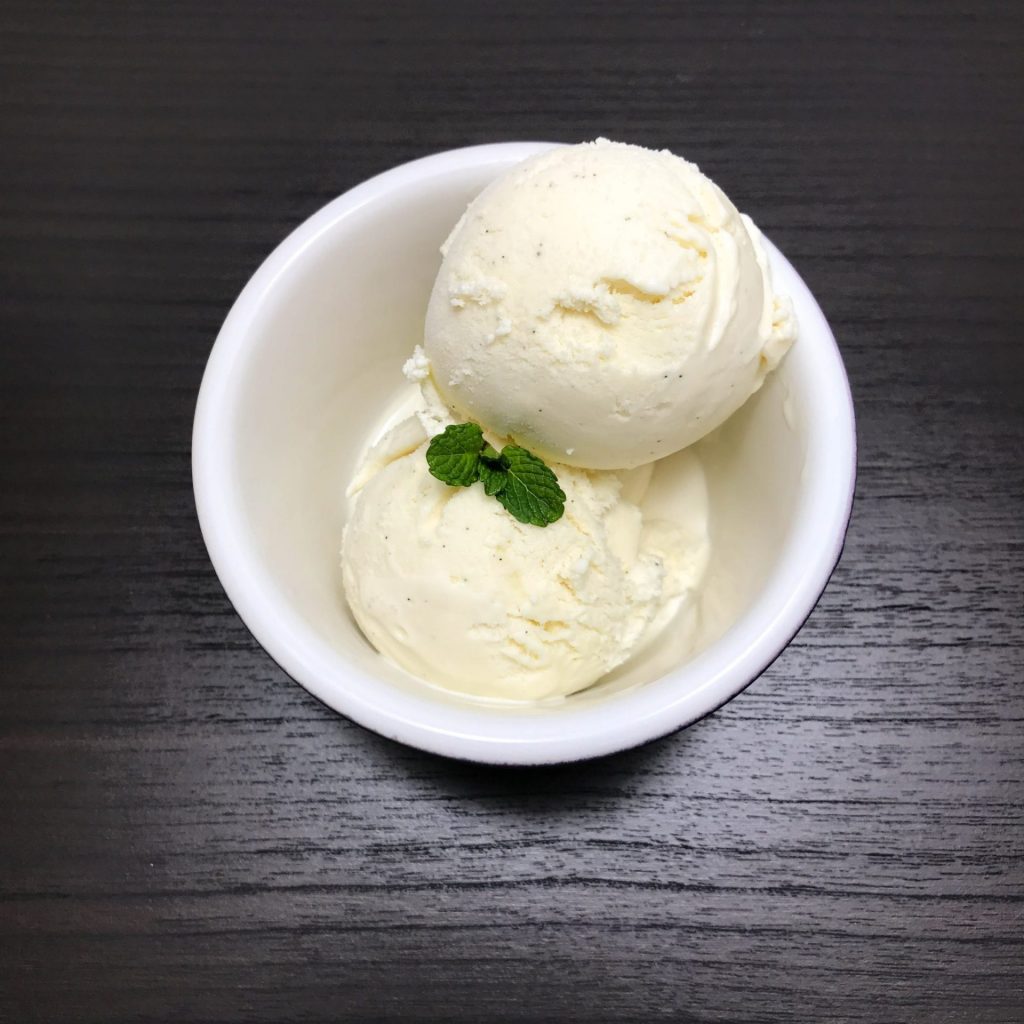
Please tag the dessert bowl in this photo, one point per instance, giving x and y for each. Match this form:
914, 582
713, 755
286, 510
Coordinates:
310, 353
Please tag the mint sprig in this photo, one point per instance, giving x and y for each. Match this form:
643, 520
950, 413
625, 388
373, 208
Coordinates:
523, 483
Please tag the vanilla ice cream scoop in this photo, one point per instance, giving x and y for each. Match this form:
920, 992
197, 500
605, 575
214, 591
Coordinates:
447, 584
604, 306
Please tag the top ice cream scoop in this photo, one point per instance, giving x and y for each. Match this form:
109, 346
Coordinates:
603, 305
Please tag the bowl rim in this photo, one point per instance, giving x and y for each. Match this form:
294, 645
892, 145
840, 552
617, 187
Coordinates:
626, 720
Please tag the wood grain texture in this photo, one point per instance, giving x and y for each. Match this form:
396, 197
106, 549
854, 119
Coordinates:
187, 835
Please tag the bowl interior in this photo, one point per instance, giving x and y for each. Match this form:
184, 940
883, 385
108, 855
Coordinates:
311, 358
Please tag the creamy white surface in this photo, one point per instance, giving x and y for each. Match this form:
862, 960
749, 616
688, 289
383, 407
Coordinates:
449, 586
604, 305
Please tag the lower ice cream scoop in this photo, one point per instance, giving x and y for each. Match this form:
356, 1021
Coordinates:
448, 585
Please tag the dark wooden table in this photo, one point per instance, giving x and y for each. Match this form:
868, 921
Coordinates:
186, 834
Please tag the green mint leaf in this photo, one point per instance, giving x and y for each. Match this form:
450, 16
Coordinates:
520, 481
493, 474
453, 456
531, 492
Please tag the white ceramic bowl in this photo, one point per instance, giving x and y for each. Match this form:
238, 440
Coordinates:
307, 359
